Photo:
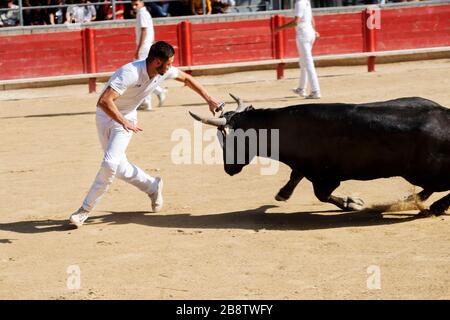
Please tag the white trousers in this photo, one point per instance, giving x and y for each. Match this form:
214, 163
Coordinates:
114, 140
307, 70
143, 54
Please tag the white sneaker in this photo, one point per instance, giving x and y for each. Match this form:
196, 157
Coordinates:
157, 197
79, 217
145, 106
301, 92
314, 95
162, 97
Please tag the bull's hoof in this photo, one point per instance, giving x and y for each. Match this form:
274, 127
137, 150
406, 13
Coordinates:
438, 209
354, 204
425, 214
279, 197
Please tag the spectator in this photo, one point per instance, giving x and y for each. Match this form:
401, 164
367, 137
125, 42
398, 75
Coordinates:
306, 35
145, 35
222, 6
128, 11
10, 18
57, 15
159, 9
83, 13
197, 7
179, 8
31, 16
105, 11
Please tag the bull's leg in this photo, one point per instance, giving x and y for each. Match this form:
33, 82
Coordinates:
286, 192
439, 207
323, 191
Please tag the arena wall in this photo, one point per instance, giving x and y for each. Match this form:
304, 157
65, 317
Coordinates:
90, 50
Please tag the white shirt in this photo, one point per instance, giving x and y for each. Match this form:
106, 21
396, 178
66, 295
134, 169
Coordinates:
131, 81
11, 17
144, 20
304, 12
81, 14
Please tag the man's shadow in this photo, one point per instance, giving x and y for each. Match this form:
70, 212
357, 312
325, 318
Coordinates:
252, 219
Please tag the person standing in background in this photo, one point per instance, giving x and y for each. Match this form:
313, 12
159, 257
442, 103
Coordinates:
145, 35
306, 35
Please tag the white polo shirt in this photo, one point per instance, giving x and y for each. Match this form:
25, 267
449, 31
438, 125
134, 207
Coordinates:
144, 20
304, 12
133, 84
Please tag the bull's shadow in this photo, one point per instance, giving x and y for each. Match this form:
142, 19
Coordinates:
252, 219
258, 219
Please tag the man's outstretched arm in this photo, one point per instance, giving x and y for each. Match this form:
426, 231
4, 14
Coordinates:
189, 81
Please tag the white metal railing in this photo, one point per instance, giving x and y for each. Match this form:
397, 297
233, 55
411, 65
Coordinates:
240, 6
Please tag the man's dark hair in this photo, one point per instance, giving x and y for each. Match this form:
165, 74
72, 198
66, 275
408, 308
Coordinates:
161, 50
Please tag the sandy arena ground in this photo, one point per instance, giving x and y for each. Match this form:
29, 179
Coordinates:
219, 237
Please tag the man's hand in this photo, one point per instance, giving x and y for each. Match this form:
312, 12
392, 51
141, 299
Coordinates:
213, 105
317, 35
129, 126
136, 55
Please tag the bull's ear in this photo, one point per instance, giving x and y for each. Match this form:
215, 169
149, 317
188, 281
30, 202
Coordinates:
249, 108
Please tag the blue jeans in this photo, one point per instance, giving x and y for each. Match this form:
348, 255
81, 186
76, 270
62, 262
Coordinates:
159, 9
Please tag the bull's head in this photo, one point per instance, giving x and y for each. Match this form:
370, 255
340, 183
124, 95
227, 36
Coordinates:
239, 146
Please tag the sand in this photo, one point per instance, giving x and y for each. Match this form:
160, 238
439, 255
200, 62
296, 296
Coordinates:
218, 237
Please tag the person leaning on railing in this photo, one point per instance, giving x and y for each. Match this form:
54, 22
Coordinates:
32, 16
197, 7
57, 15
222, 6
158, 9
179, 8
10, 18
81, 14
105, 11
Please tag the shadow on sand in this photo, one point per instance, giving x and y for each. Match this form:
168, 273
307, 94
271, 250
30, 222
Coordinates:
52, 115
253, 219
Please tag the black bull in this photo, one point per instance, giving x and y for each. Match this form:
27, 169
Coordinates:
333, 142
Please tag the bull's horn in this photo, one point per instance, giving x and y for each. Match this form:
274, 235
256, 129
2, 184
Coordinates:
217, 122
239, 102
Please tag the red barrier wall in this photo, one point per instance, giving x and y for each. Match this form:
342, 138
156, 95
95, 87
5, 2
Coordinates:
339, 33
419, 27
63, 53
27, 56
113, 47
227, 42
116, 47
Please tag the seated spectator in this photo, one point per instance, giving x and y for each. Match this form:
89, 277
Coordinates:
81, 14
128, 11
222, 6
105, 11
33, 16
197, 7
159, 9
179, 8
10, 18
57, 15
